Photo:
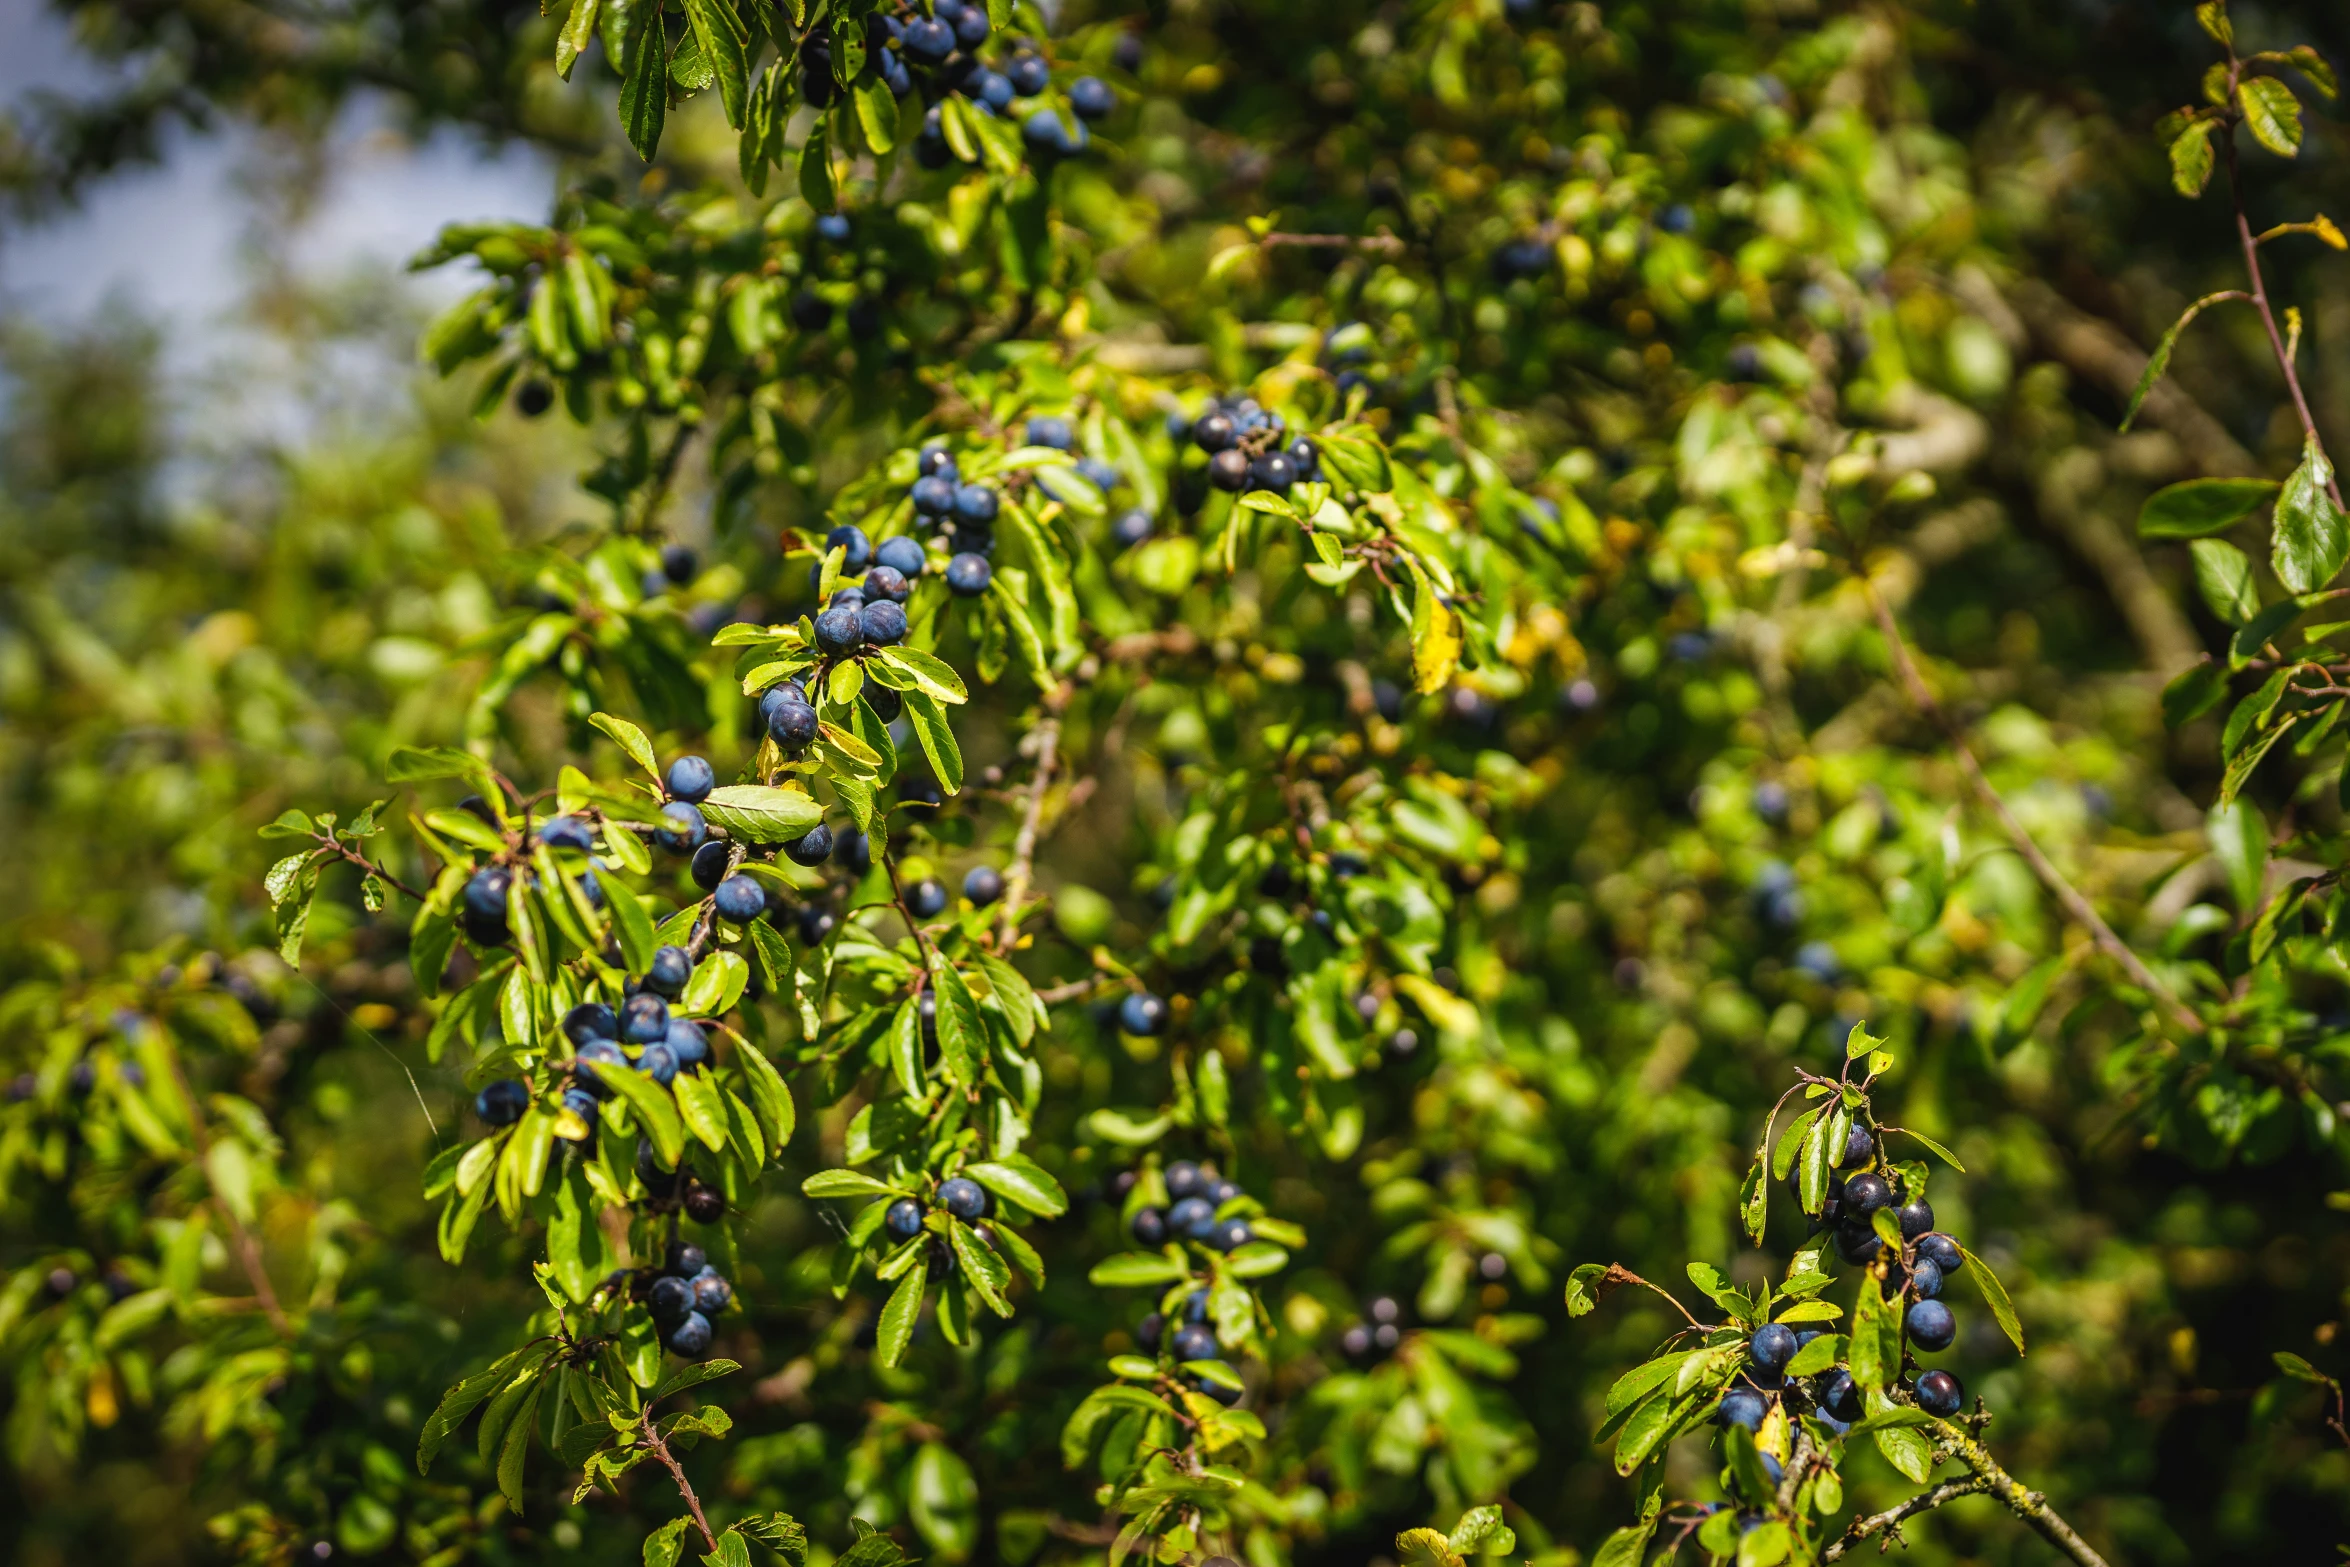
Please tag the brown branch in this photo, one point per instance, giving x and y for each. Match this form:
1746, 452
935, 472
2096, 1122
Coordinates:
2268, 317
659, 1448
2029, 1505
369, 866
1023, 872
1889, 1522
2064, 891
1384, 242
241, 1239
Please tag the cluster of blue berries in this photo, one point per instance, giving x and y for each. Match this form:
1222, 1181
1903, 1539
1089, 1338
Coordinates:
481, 909
684, 1296
1192, 1340
1131, 526
957, 1195
964, 515
939, 52
665, 1045
869, 612
1196, 1195
1248, 447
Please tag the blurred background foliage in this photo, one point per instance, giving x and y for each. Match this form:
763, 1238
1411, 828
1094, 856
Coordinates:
1723, 835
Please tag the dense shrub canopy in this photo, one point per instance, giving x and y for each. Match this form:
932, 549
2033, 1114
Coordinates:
1493, 655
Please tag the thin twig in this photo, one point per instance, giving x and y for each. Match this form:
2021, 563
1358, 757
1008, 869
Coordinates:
2027, 1504
659, 1448
2268, 317
1889, 1522
369, 866
1023, 872
2050, 877
241, 1239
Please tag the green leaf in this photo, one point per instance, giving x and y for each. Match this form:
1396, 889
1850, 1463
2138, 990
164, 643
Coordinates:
847, 1183
652, 1104
1137, 1267
2239, 839
2193, 692
644, 90
2213, 14
1931, 1146
1908, 1451
2301, 1370
816, 169
2312, 539
717, 984
665, 1544
1017, 1178
692, 1376
2160, 359
903, 1310
758, 814
877, 112
910, 669
631, 924
2201, 506
2223, 574
516, 1447
408, 764
962, 1035
701, 1105
938, 739
1818, 1355
2271, 113
456, 1404
982, 1268
734, 1550
725, 42
770, 1097
1995, 1296
2190, 158
630, 739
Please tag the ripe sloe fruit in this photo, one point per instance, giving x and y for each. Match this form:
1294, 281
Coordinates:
852, 851
883, 624
1865, 1193
566, 832
901, 554
1028, 73
659, 1063
833, 228
968, 575
1942, 1250
1925, 1279
934, 495
983, 884
740, 900
1838, 1394
534, 399
1045, 430
711, 1292
975, 505
703, 1204
590, 1020
1859, 1147
792, 723
1132, 527
935, 460
709, 866
885, 581
691, 778
690, 1339
1091, 97
687, 1042
1191, 1216
1230, 1234
1743, 1406
1214, 431
669, 1300
904, 1219
1857, 1243
670, 969
1939, 1394
1149, 1226
1273, 471
1148, 1330
811, 848
682, 830
644, 1019
1931, 1326
485, 892
1917, 1217
684, 1259
963, 1197
1142, 1013
1183, 1179
927, 898
1228, 470
840, 630
502, 1102
855, 549
1773, 1346
1196, 1342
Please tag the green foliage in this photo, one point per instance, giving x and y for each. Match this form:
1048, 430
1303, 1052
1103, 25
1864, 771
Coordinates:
1503, 814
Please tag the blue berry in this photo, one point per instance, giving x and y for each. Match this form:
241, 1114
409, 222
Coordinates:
682, 830
852, 851
833, 228
975, 505
971, 27
1091, 97
885, 583
904, 1219
1931, 1326
1099, 474
740, 900
1273, 471
566, 832
1048, 135
983, 884
670, 969
1196, 1342
855, 550
502, 1102
1131, 528
1214, 431
1773, 1346
582, 1104
1045, 430
1191, 1216
590, 1020
903, 554
882, 624
1916, 1216
1743, 1406
1028, 73
1230, 1234
690, 1339
683, 1259
963, 1197
991, 88
1185, 1179
708, 867
792, 722
928, 41
1939, 1394
934, 495
936, 459
1837, 1394
1149, 1226
839, 630
927, 898
968, 575
659, 1063
686, 1041
1942, 1250
1142, 1013
691, 778
644, 1018
669, 1299
595, 1053
1925, 1279
485, 892
711, 1292
811, 848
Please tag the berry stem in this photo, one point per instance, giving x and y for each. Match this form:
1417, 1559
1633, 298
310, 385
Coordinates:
2075, 903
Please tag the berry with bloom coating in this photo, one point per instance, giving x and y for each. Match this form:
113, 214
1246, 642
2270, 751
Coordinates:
1943, 1251
902, 554
1916, 1216
904, 1219
1865, 1193
840, 629
502, 1102
658, 1063
1191, 1216
740, 900
968, 575
590, 1020
886, 582
963, 1197
1184, 1179
669, 1299
711, 1291
1195, 1342
670, 969
1837, 1394
1925, 1278
883, 624
709, 863
933, 495
566, 832
983, 884
691, 778
791, 721
1743, 1406
690, 1339
1773, 1346
1228, 470
1149, 1226
850, 540
682, 830
811, 848
1091, 97
927, 898
687, 1043
644, 1019
1045, 430
1142, 1013
1931, 1326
